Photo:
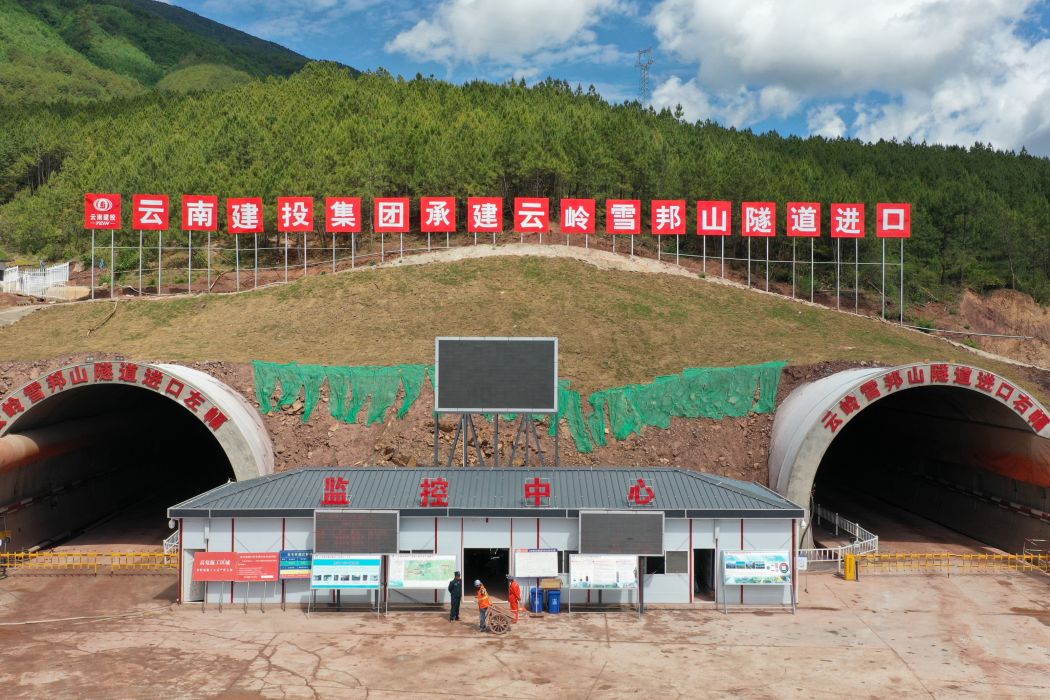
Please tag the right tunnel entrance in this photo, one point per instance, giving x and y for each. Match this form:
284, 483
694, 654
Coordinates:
926, 466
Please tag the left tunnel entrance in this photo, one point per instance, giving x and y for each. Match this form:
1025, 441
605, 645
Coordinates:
98, 463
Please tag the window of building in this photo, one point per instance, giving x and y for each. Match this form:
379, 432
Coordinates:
677, 562
654, 565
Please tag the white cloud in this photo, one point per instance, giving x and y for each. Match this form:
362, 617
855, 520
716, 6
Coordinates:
825, 121
938, 70
287, 19
524, 35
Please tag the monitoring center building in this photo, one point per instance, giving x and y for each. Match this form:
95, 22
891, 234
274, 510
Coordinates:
612, 535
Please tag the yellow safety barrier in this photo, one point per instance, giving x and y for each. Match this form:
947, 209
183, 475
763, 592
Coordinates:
74, 562
943, 563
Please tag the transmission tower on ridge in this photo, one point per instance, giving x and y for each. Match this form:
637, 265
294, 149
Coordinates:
645, 59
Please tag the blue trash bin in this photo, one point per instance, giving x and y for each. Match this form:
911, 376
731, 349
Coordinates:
537, 599
554, 602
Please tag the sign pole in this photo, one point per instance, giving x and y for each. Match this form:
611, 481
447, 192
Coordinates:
160, 258
286, 257
333, 251
204, 600
659, 248
353, 250
112, 265
723, 238
255, 279
401, 246
305, 235
428, 242
749, 263
838, 286
883, 279
856, 275
704, 244
140, 263
237, 260
632, 246
677, 260
793, 241
767, 264
812, 271
92, 263
208, 256
902, 281
382, 247
189, 268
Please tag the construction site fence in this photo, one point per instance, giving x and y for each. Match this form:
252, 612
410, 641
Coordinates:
89, 562
942, 564
861, 541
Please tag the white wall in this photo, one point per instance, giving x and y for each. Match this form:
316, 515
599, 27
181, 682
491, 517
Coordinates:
759, 535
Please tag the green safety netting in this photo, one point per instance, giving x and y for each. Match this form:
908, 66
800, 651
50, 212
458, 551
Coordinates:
700, 392
350, 388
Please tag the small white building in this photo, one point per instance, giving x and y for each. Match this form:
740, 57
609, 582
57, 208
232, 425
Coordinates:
482, 516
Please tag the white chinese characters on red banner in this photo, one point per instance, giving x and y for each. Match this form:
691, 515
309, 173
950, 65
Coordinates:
390, 215
484, 214
102, 211
803, 219
577, 216
532, 215
295, 214
437, 214
342, 215
714, 218
847, 220
623, 216
244, 215
668, 217
200, 212
758, 219
149, 212
126, 373
932, 375
893, 221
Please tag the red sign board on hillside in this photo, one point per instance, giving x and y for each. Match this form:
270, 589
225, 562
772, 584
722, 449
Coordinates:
714, 218
390, 215
894, 220
437, 214
149, 212
803, 219
257, 566
200, 212
623, 216
343, 215
668, 217
577, 216
244, 215
484, 214
758, 219
102, 211
847, 220
214, 566
295, 214
531, 215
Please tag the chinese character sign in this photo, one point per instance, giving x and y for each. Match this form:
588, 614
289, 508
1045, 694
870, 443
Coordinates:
577, 216
537, 492
893, 220
531, 215
640, 494
433, 493
758, 219
484, 214
390, 215
200, 212
437, 214
335, 492
244, 215
342, 214
668, 217
714, 218
102, 211
149, 212
295, 214
847, 221
803, 219
623, 216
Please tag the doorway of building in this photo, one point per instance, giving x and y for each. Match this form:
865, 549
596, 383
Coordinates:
704, 574
489, 565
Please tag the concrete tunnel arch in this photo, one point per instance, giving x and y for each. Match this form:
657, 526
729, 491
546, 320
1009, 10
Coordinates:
968, 428
85, 440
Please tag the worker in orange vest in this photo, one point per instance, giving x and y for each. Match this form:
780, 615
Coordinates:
483, 604
513, 596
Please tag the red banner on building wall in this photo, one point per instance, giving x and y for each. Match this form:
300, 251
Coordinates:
214, 566
257, 566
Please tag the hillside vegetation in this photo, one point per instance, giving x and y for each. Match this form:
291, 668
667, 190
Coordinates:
981, 217
88, 50
614, 327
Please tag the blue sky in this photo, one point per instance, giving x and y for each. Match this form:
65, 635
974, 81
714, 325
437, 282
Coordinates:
941, 71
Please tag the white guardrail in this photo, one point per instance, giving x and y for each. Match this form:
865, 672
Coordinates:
861, 541
171, 543
35, 282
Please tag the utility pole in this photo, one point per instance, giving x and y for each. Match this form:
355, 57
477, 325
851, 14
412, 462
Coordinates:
645, 60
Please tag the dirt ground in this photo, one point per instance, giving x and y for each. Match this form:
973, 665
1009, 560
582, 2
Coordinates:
932, 637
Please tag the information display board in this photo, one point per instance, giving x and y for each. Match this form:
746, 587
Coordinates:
256, 566
214, 566
603, 571
356, 531
295, 564
622, 532
756, 568
535, 563
496, 375
341, 571
421, 570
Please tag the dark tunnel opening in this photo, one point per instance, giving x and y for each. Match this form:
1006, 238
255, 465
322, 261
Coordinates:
935, 466
111, 459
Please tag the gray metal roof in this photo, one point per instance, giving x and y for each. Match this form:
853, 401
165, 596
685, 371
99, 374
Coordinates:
491, 492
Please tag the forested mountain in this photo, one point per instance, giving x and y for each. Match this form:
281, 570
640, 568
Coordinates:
86, 50
981, 217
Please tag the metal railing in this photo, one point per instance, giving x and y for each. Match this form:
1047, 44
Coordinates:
861, 541
35, 282
171, 543
943, 563
73, 562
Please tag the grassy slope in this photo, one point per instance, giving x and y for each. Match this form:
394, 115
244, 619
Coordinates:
615, 327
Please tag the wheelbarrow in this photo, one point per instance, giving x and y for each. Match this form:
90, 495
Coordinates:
498, 620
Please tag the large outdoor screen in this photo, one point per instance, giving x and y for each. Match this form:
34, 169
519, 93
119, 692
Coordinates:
355, 532
496, 375
603, 532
